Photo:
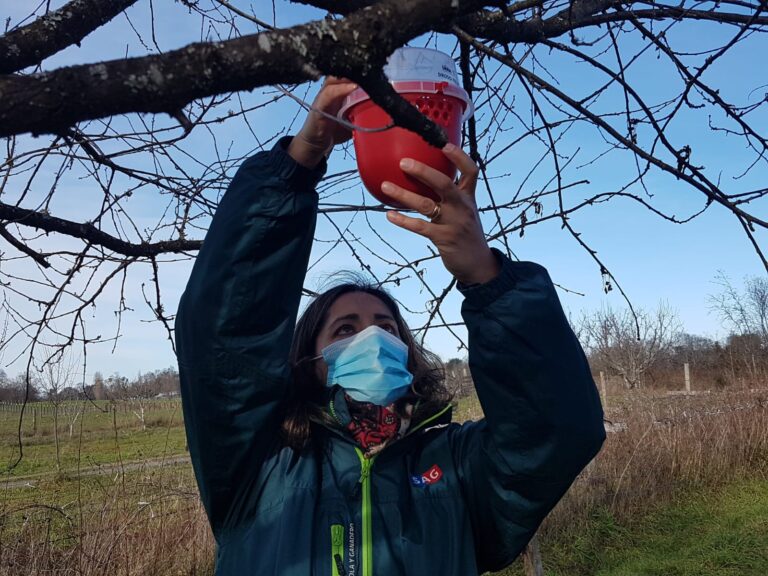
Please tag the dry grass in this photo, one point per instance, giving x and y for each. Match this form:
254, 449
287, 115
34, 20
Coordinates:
150, 522
665, 448
667, 443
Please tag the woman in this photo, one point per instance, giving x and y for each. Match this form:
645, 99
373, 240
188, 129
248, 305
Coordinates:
306, 468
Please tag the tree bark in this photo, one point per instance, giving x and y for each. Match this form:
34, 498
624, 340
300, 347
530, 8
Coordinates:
356, 47
92, 234
49, 34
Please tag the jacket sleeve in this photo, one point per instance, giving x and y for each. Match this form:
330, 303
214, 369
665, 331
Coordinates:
235, 325
543, 419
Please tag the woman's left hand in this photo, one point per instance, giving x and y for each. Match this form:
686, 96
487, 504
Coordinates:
456, 230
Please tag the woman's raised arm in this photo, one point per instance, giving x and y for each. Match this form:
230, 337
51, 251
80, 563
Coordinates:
235, 324
236, 318
543, 420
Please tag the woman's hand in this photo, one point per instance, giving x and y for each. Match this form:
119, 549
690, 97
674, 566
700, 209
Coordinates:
455, 227
320, 134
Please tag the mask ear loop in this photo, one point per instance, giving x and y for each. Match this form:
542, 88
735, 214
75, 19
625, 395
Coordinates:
308, 359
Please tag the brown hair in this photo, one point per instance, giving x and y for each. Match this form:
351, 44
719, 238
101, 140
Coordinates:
307, 394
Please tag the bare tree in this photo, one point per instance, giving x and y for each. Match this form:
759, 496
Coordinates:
611, 339
57, 372
136, 393
743, 312
458, 378
155, 128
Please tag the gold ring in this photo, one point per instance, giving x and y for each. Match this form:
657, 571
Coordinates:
435, 214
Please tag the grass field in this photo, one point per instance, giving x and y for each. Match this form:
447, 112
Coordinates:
116, 505
90, 435
720, 532
681, 489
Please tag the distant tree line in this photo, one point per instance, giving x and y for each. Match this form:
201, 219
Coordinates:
640, 348
648, 349
152, 384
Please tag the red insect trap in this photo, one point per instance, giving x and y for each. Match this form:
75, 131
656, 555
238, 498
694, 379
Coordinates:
437, 96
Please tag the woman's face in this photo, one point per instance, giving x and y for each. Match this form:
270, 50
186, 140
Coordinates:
351, 313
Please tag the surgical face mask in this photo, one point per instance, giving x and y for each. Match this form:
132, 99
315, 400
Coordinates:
370, 366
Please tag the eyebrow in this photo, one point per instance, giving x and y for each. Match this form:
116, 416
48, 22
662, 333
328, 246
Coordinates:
355, 316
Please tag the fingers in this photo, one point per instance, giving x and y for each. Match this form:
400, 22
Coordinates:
339, 88
461, 160
438, 181
416, 225
421, 204
331, 96
467, 167
441, 184
335, 80
417, 202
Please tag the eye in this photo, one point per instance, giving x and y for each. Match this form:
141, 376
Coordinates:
389, 328
344, 330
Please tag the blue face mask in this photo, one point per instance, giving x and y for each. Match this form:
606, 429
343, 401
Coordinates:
370, 366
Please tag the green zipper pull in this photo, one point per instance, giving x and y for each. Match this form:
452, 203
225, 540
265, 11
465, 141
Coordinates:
337, 550
365, 473
365, 469
337, 536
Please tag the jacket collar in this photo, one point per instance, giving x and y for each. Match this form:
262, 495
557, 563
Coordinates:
440, 419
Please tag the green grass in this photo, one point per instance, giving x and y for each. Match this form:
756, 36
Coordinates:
722, 532
72, 494
98, 438
60, 510
137, 519
467, 408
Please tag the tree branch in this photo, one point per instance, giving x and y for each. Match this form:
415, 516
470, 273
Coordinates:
402, 112
580, 14
91, 234
355, 47
23, 248
342, 7
51, 33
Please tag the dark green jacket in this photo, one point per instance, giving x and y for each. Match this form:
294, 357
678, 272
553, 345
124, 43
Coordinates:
448, 499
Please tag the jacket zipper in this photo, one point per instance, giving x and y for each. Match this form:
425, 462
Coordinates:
365, 485
337, 550
365, 481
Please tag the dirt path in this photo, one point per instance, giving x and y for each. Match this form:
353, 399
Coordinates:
114, 468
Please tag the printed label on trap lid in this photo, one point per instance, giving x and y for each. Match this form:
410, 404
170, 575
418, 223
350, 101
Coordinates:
418, 70
422, 64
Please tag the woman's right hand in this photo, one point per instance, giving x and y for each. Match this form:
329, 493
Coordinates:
320, 134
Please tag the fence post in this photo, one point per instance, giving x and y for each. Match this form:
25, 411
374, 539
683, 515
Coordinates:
532, 558
34, 421
603, 391
687, 378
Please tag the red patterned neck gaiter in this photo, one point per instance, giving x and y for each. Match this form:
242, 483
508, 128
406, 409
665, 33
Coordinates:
373, 426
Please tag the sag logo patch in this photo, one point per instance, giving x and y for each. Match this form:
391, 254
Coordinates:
429, 477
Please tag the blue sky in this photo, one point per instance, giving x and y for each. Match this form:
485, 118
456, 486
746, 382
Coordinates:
653, 260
